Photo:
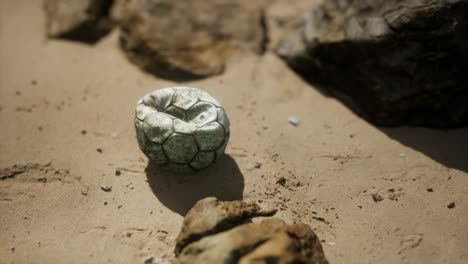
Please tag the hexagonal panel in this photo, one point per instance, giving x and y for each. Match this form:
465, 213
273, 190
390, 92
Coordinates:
223, 119
210, 136
142, 111
183, 127
140, 134
204, 96
175, 112
155, 152
201, 114
184, 98
160, 99
180, 148
203, 160
220, 150
158, 127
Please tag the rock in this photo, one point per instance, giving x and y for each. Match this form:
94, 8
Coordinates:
81, 20
294, 121
149, 260
210, 216
218, 232
188, 39
106, 188
395, 62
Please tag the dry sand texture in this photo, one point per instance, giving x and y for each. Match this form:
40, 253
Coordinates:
374, 195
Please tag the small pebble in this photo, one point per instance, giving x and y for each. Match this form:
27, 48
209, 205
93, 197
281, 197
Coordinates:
331, 243
83, 132
429, 189
451, 205
84, 192
281, 181
254, 165
402, 155
118, 173
293, 121
106, 188
149, 260
377, 197
99, 150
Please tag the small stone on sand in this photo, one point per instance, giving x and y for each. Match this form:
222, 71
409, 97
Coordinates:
293, 121
106, 188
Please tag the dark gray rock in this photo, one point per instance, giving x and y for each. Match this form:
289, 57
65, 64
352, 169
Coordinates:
191, 38
395, 62
81, 20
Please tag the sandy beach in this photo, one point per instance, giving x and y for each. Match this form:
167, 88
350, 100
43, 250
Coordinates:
372, 194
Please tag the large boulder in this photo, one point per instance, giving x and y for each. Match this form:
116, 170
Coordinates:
220, 232
400, 62
191, 38
81, 20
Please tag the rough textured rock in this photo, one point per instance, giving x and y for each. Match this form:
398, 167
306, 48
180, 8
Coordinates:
401, 62
210, 216
192, 38
218, 232
81, 20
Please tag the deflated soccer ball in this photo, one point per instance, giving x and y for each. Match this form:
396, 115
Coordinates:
181, 128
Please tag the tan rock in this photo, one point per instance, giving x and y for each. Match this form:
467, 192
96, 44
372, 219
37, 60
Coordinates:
192, 37
217, 232
81, 20
210, 216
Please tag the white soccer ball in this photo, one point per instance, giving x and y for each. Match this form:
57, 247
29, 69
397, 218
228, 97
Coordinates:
181, 128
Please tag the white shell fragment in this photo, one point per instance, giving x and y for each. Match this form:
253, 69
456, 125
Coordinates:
293, 121
181, 128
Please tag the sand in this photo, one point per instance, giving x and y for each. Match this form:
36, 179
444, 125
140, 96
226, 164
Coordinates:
372, 194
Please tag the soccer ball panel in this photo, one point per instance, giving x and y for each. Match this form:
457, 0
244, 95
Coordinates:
158, 127
185, 98
175, 112
143, 111
220, 150
183, 127
155, 152
223, 119
202, 113
140, 134
204, 96
180, 148
203, 160
159, 99
210, 136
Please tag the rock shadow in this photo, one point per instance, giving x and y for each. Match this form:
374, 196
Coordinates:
152, 64
179, 192
384, 69
447, 147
